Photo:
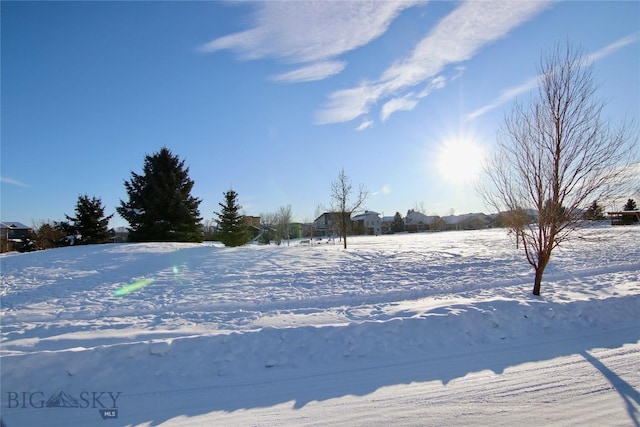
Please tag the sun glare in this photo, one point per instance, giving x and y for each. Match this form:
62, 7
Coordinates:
460, 160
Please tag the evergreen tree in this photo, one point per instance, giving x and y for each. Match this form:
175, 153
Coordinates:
630, 205
160, 206
398, 224
90, 223
232, 228
595, 212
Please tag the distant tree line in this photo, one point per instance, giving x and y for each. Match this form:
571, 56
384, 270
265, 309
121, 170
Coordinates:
160, 208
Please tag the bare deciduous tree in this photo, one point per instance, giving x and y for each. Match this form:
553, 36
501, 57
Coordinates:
342, 205
283, 220
276, 225
556, 156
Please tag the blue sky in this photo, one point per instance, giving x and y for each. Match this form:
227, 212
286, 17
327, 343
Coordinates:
273, 99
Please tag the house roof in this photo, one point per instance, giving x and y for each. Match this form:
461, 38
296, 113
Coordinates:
458, 219
365, 214
414, 218
324, 214
13, 225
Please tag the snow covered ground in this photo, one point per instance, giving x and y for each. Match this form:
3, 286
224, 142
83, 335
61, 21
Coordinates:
410, 329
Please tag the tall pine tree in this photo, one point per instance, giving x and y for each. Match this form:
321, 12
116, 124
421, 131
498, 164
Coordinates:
160, 206
232, 227
397, 225
90, 223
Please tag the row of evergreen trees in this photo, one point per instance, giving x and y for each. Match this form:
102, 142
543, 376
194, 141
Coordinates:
160, 208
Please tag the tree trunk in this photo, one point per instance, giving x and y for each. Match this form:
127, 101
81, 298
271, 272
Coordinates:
345, 224
537, 281
543, 260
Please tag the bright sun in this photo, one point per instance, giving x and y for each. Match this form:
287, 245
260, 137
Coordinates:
460, 160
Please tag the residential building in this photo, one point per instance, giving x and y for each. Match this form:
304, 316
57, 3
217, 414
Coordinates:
624, 217
417, 221
12, 232
472, 221
368, 222
387, 224
325, 225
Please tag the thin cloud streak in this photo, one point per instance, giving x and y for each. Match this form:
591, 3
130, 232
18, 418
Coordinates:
312, 72
613, 47
532, 83
504, 97
15, 182
310, 33
457, 38
364, 125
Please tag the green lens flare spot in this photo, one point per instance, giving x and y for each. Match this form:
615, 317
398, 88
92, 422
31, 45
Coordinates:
135, 286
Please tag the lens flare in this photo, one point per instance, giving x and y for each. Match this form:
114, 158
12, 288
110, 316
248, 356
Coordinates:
127, 289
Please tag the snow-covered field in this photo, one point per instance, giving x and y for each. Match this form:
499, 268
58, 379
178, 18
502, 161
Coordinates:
410, 329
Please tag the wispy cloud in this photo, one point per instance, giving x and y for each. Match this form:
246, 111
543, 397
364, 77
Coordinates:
10, 181
309, 73
313, 33
407, 102
532, 83
455, 39
347, 104
410, 101
504, 97
613, 47
365, 124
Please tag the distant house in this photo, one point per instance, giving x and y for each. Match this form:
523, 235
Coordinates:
252, 221
368, 222
119, 234
307, 230
253, 224
296, 230
417, 221
472, 221
387, 224
624, 217
12, 232
325, 225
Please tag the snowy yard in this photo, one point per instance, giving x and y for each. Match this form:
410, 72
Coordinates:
409, 329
